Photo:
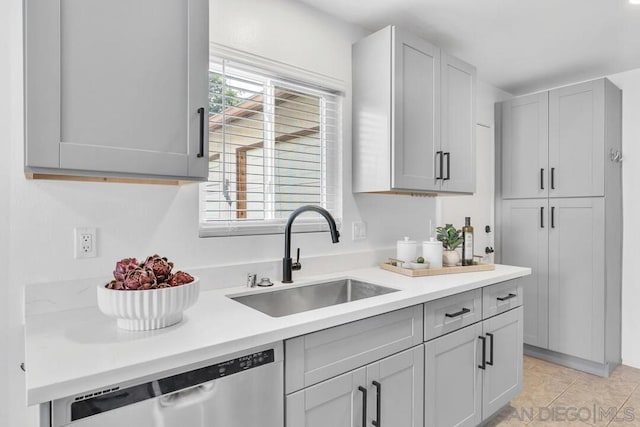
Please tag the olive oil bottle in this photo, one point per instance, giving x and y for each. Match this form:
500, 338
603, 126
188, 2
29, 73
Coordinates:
467, 242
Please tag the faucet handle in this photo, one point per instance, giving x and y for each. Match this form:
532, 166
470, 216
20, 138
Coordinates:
251, 280
296, 265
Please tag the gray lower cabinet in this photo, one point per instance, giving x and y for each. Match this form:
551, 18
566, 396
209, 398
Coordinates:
525, 242
471, 373
338, 402
502, 376
577, 277
389, 392
117, 88
453, 381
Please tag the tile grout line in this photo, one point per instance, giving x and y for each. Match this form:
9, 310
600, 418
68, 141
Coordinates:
554, 399
624, 403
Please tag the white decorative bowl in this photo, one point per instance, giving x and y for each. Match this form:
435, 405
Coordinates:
148, 309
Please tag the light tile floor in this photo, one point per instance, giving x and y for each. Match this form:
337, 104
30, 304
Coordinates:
557, 396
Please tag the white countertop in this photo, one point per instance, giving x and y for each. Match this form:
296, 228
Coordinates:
78, 350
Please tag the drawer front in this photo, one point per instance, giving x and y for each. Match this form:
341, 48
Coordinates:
501, 297
448, 314
315, 357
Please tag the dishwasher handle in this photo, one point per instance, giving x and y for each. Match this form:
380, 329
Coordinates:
189, 397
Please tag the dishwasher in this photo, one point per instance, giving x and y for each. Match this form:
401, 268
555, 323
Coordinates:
241, 390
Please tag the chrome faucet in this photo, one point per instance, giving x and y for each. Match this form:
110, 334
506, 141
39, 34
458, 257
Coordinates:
287, 264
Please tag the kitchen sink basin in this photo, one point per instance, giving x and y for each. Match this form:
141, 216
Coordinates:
304, 298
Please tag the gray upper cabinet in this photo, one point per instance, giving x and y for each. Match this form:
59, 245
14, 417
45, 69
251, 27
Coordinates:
525, 136
117, 88
577, 277
413, 116
416, 122
576, 140
525, 229
458, 125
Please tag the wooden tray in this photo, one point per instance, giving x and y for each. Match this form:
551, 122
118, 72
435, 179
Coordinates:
437, 271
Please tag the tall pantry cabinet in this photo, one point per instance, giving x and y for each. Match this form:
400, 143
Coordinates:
559, 210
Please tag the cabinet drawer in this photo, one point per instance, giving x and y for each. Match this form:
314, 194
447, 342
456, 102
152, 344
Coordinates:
448, 314
501, 297
324, 354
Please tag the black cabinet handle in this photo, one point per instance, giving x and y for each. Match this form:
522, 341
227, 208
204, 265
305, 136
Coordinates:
439, 155
378, 387
541, 178
201, 150
553, 217
448, 167
541, 216
364, 405
553, 178
490, 363
484, 353
459, 313
508, 297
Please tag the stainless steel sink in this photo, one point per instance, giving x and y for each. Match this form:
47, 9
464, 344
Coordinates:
304, 298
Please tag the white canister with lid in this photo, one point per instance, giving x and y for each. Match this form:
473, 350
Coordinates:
432, 252
406, 250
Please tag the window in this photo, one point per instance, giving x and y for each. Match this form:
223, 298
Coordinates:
274, 146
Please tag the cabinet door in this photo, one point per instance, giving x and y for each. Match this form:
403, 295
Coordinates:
416, 113
576, 278
337, 402
458, 83
525, 137
395, 389
115, 86
453, 386
576, 140
502, 377
525, 225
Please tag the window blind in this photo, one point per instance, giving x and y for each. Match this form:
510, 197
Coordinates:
274, 145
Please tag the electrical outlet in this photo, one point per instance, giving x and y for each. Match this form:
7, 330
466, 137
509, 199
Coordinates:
359, 230
85, 242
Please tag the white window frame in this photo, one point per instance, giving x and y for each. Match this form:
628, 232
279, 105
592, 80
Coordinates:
286, 75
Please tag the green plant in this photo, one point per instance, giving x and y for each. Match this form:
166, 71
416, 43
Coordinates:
449, 236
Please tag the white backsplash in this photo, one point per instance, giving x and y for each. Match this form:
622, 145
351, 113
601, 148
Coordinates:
42, 298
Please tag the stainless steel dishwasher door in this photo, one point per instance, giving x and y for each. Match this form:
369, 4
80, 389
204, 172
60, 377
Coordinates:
250, 393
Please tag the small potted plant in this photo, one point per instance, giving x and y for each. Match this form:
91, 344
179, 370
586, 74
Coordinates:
451, 239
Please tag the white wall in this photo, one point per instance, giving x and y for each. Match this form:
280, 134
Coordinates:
629, 82
135, 220
480, 205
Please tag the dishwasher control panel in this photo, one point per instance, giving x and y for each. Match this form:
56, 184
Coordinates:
243, 363
101, 401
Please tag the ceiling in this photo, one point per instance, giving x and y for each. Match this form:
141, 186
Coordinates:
517, 45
